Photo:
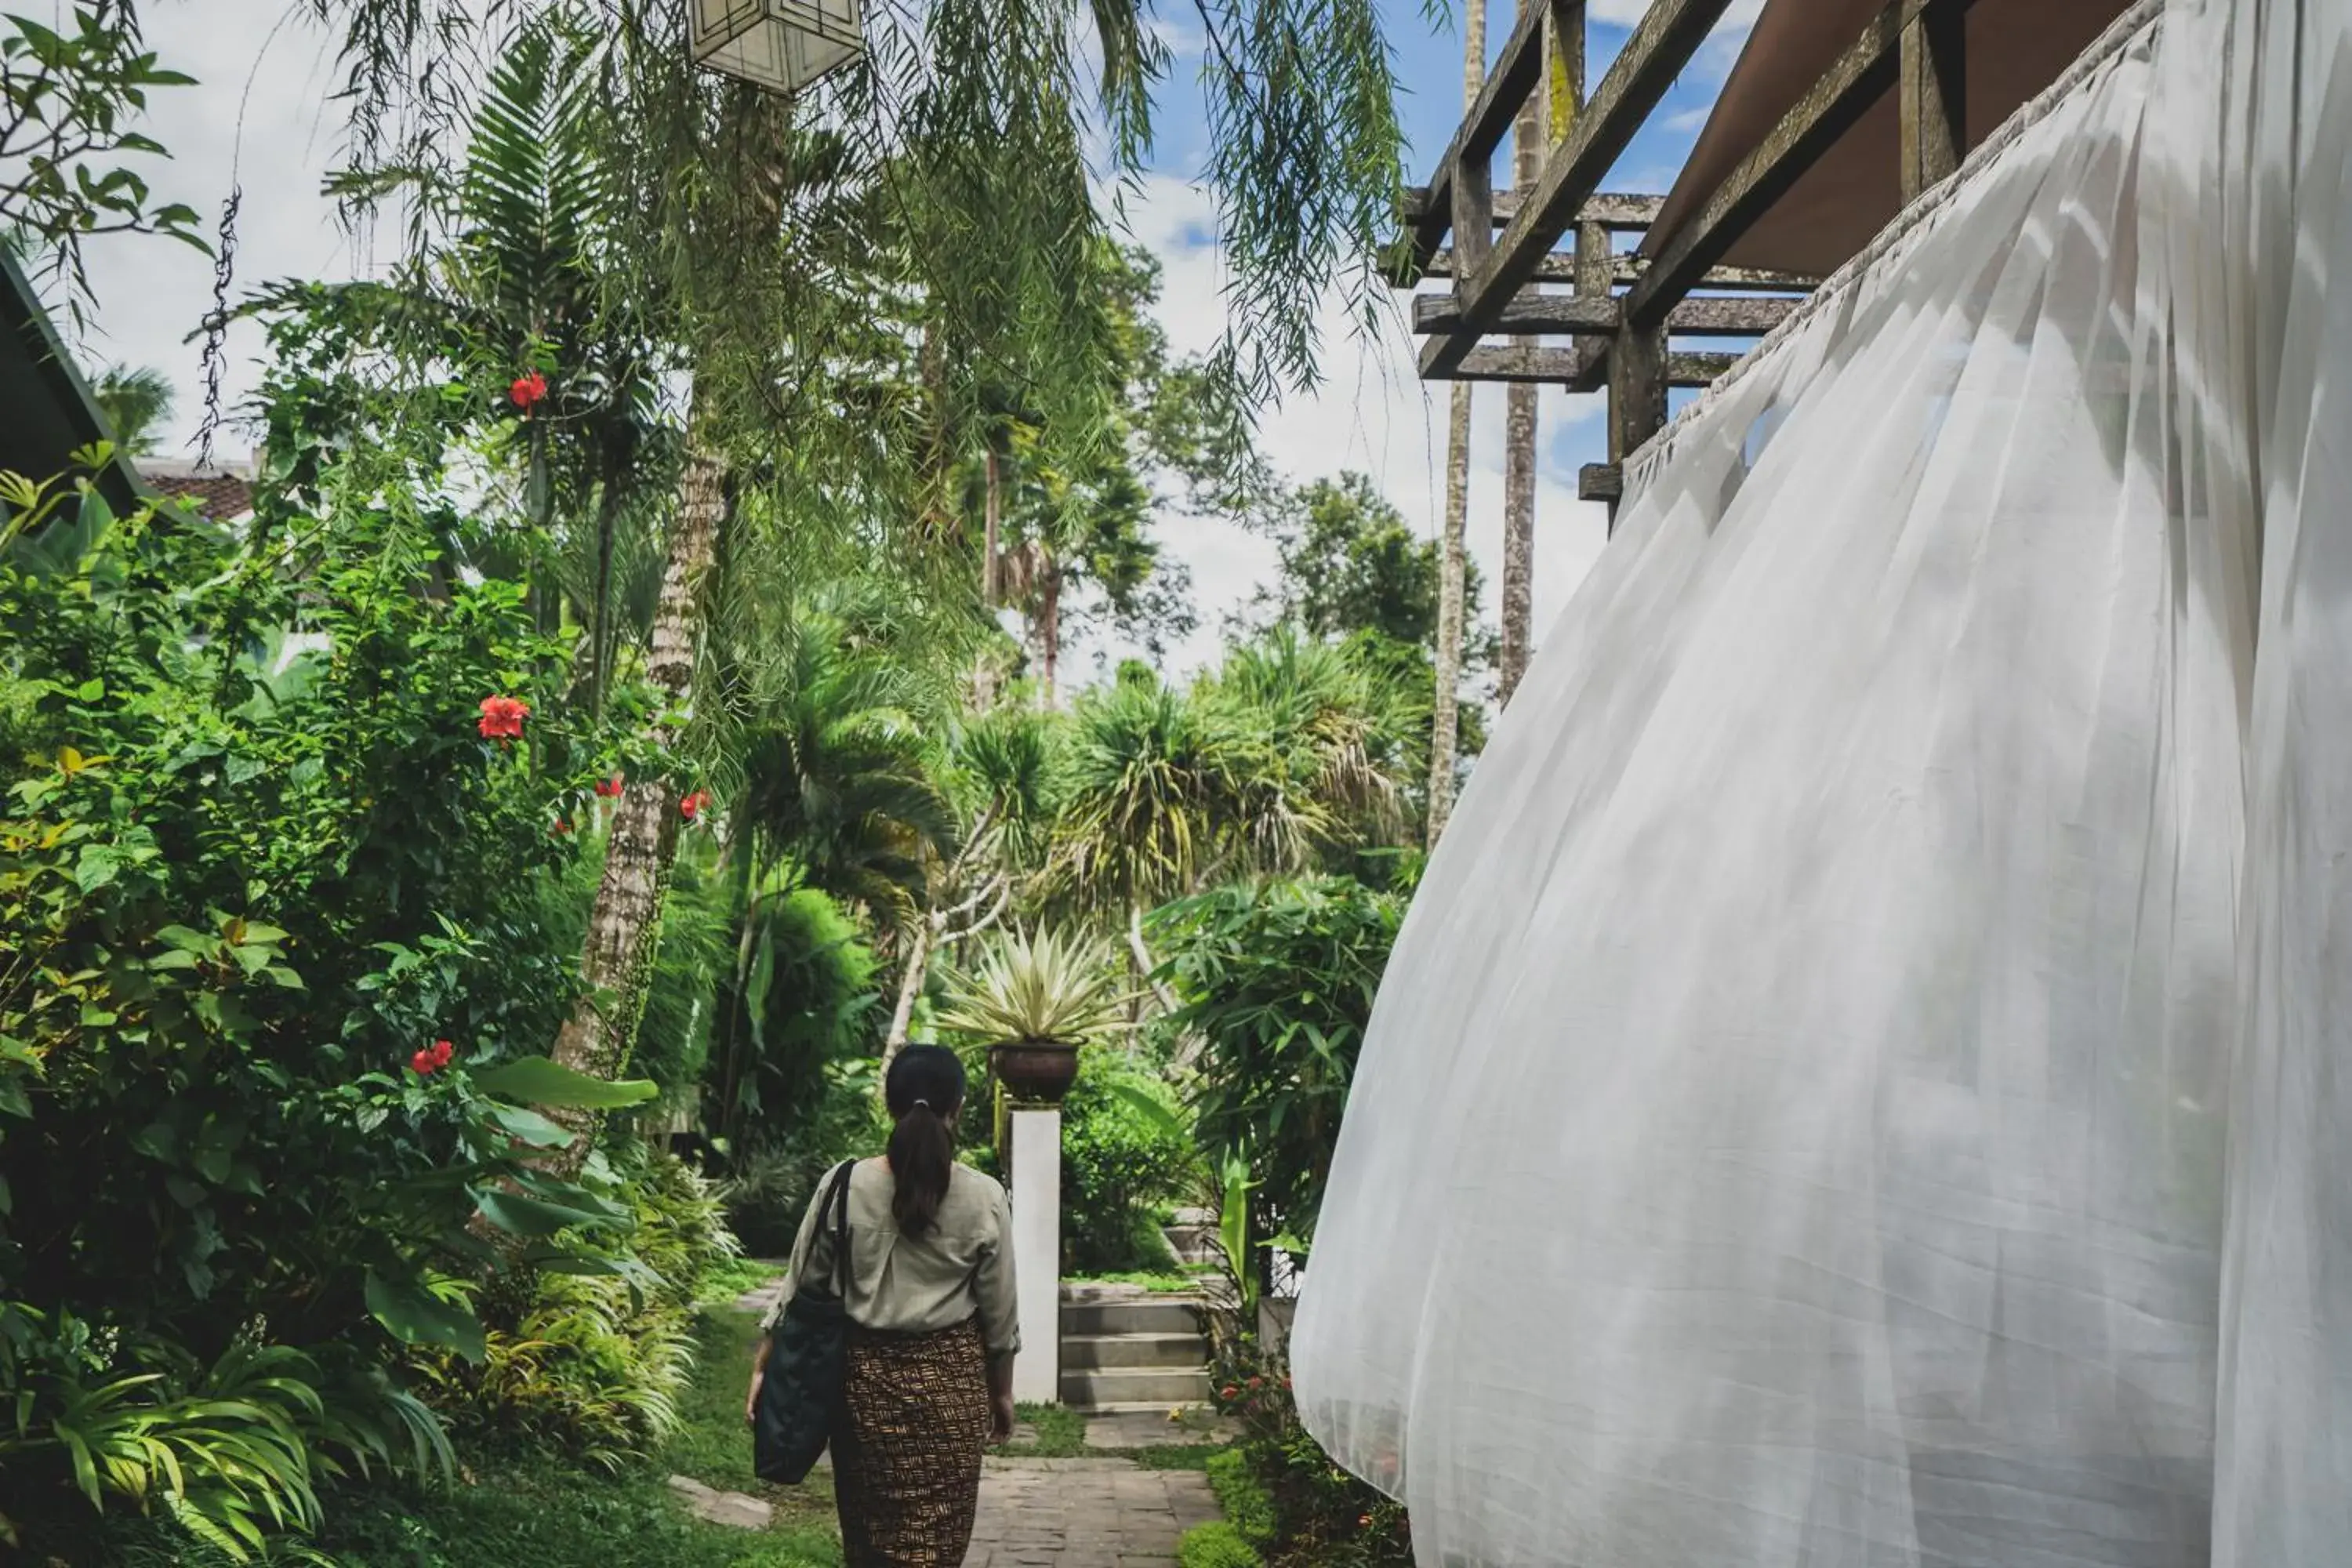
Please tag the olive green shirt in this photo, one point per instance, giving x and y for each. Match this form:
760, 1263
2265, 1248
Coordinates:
903, 1284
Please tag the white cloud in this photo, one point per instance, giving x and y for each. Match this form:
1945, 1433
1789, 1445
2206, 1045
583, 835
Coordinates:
153, 293
1371, 413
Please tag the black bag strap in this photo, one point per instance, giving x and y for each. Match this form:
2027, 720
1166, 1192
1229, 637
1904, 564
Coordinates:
836, 1199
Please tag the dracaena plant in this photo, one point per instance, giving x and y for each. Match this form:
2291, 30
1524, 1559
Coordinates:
1039, 988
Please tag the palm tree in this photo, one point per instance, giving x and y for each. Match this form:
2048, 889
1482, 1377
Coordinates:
1154, 785
1337, 747
1519, 445
1454, 563
137, 403
838, 771
766, 257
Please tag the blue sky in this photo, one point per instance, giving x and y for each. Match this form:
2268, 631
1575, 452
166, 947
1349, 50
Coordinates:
1372, 412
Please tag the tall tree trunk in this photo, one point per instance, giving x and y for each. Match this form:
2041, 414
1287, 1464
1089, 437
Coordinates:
604, 648
991, 569
910, 985
1453, 562
1519, 444
1453, 583
626, 920
1049, 629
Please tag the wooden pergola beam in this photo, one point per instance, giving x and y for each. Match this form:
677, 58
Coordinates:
1464, 173
1564, 315
1559, 267
1668, 35
1620, 212
1584, 367
1865, 71
1532, 315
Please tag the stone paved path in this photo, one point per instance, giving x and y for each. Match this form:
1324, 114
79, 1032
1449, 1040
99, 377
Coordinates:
1084, 1513
1070, 1514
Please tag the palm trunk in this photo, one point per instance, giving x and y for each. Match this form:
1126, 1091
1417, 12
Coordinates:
626, 917
1519, 447
1452, 582
991, 576
603, 647
1453, 562
1049, 628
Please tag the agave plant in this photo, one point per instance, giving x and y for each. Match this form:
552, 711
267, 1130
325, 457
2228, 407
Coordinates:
1039, 989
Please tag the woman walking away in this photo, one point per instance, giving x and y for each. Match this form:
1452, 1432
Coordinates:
933, 1328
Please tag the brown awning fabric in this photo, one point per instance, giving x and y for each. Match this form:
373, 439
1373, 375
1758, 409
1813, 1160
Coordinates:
2015, 48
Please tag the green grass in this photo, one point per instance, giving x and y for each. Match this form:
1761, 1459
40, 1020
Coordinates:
736, 1277
550, 1514
1215, 1545
1061, 1433
1158, 1284
1244, 1497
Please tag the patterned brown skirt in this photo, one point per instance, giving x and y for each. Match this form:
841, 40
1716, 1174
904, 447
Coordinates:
906, 1458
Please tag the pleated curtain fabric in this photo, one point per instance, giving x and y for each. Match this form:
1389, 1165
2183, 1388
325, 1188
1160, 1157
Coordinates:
1867, 1079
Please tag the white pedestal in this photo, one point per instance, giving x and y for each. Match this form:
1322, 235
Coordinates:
1037, 1254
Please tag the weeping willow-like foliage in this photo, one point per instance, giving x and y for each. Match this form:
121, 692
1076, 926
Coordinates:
969, 117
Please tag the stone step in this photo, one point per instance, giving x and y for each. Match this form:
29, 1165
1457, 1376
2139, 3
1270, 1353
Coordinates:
1133, 1388
1086, 1352
1191, 1243
1134, 1315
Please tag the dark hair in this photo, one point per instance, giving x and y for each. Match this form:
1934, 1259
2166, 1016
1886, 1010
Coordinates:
924, 1086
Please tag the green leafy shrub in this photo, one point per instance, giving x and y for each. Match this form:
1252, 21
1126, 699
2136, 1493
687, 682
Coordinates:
594, 1366
1120, 1164
1278, 980
800, 1004
1216, 1545
257, 856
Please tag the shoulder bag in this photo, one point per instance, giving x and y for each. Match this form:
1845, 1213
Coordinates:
800, 1395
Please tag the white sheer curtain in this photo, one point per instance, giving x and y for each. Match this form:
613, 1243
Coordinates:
1858, 1087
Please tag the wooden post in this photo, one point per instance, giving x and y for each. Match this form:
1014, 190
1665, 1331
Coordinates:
1933, 109
1473, 215
1637, 394
1564, 66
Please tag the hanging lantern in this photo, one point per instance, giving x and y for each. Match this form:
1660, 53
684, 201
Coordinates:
781, 45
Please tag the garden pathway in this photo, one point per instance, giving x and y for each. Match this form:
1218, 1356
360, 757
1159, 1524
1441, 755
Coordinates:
1064, 1513
1084, 1513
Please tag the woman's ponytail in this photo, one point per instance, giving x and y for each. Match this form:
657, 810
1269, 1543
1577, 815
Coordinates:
924, 1089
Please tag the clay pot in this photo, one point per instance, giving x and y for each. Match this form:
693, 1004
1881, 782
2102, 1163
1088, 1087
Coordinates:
1036, 1072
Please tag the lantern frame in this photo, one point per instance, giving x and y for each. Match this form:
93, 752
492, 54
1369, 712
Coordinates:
780, 45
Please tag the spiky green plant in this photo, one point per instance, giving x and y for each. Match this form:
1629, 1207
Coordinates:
1038, 988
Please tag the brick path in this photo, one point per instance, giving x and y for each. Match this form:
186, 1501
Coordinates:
1084, 1513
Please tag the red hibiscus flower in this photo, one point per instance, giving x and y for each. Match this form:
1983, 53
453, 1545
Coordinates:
424, 1063
528, 391
609, 789
442, 1051
502, 718
691, 806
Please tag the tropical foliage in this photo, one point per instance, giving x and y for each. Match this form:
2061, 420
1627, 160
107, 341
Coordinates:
650, 655
1278, 980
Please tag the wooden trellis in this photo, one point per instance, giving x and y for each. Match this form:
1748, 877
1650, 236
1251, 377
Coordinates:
1544, 263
